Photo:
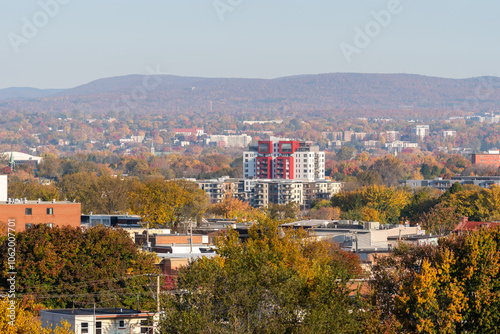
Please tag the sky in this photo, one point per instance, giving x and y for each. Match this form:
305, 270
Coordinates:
66, 43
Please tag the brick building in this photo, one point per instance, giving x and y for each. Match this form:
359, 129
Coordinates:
28, 213
492, 158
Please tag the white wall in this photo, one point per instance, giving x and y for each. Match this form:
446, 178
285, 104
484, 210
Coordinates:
3, 188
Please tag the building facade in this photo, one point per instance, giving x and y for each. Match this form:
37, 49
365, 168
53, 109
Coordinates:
3, 188
422, 131
284, 159
492, 158
262, 192
100, 320
24, 214
231, 140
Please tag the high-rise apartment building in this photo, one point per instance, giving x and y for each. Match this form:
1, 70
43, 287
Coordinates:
285, 160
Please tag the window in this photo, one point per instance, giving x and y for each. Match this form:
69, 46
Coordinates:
98, 327
121, 324
28, 211
144, 328
85, 327
50, 211
27, 226
51, 225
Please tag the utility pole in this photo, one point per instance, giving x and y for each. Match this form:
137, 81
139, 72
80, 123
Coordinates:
94, 320
158, 293
356, 238
147, 237
191, 235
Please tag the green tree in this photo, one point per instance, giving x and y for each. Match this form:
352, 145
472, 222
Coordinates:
104, 194
390, 169
345, 153
440, 219
50, 167
421, 202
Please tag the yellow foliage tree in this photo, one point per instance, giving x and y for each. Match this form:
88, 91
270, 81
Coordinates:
434, 302
20, 316
229, 206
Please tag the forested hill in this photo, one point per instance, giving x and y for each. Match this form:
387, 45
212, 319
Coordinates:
324, 94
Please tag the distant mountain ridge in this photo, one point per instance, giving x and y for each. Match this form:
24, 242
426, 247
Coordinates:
26, 92
356, 94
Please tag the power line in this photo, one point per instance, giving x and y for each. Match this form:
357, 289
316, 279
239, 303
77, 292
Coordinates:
61, 285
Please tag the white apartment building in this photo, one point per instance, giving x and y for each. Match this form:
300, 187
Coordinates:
231, 140
448, 133
285, 160
422, 130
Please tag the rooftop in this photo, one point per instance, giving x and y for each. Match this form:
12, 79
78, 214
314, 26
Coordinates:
99, 311
30, 202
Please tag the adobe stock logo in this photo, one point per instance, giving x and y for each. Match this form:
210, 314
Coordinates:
372, 29
224, 6
31, 28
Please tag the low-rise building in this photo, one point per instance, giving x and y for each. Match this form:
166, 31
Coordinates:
3, 188
492, 158
231, 140
448, 133
100, 320
23, 214
466, 226
439, 183
126, 220
398, 146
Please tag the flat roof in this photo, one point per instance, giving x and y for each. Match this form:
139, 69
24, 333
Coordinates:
31, 202
99, 312
106, 215
185, 255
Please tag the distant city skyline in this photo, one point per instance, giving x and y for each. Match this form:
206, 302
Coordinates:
66, 43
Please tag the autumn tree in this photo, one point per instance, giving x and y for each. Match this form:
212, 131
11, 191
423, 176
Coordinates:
345, 153
448, 288
103, 194
390, 170
32, 190
281, 212
63, 265
387, 202
440, 219
277, 281
27, 319
168, 203
478, 204
420, 202
229, 207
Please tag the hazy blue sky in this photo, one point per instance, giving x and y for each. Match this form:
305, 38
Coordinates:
89, 39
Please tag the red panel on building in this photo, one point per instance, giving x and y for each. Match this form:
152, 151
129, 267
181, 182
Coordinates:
288, 147
285, 168
265, 147
264, 167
